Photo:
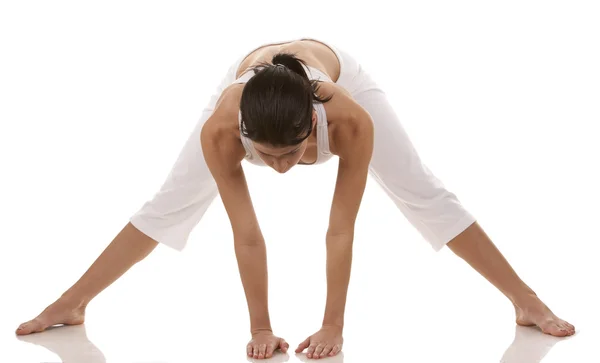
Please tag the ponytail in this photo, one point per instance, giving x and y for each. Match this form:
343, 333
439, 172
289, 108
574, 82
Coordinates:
290, 62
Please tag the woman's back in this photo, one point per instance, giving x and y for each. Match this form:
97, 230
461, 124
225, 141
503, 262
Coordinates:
313, 52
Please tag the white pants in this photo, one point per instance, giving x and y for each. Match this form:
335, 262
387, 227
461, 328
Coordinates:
189, 189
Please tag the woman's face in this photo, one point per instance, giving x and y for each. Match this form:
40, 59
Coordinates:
283, 159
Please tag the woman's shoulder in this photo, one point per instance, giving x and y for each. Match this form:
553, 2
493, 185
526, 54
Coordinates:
342, 106
221, 130
226, 110
229, 101
347, 119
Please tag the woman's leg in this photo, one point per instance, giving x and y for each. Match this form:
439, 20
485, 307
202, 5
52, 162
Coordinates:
128, 248
438, 214
167, 218
475, 247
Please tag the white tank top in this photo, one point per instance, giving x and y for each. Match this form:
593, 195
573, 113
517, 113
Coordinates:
323, 153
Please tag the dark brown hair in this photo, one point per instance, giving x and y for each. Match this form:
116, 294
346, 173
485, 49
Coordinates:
277, 102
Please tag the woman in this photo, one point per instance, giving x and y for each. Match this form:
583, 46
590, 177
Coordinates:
298, 102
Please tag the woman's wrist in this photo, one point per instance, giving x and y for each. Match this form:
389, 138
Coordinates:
334, 313
264, 330
337, 321
336, 327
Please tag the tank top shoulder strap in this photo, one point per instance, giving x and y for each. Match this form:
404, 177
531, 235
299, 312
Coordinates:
322, 131
244, 77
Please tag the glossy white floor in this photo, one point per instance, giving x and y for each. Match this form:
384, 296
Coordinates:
500, 100
148, 335
407, 306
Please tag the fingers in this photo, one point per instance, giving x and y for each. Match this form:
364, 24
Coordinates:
326, 351
262, 349
336, 349
270, 349
311, 350
259, 350
319, 350
303, 345
283, 345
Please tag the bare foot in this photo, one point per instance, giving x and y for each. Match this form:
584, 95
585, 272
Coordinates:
533, 312
60, 312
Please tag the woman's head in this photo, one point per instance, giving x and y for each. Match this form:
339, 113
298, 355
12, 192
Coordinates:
277, 109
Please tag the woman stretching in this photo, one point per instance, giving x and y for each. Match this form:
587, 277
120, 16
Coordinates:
280, 105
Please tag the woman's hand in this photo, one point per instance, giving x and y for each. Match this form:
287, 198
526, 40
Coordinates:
326, 342
264, 343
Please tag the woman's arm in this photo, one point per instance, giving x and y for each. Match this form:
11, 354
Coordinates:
354, 146
223, 154
353, 143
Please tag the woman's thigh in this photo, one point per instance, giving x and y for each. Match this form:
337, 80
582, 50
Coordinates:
188, 190
397, 167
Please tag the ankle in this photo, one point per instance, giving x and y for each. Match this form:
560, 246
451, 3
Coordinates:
524, 298
75, 300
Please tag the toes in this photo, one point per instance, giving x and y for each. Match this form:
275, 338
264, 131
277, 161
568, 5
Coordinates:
558, 331
568, 328
22, 329
555, 329
29, 327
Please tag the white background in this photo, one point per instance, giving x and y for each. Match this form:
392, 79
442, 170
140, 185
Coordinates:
500, 98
